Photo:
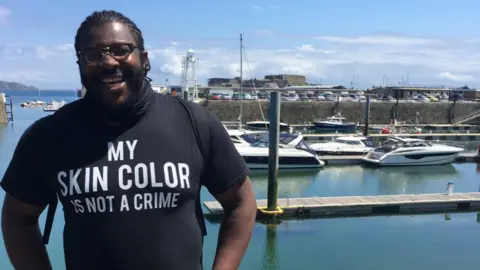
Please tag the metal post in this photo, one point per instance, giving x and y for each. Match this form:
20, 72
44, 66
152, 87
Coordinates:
367, 115
274, 132
450, 188
241, 81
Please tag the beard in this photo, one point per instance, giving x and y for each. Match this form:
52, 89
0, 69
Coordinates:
133, 77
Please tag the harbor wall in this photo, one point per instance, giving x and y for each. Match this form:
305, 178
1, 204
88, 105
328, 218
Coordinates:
380, 112
3, 109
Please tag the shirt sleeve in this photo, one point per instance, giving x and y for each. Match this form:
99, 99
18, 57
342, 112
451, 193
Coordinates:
24, 178
225, 165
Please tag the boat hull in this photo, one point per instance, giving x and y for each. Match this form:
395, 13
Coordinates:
257, 158
412, 160
340, 153
262, 166
331, 127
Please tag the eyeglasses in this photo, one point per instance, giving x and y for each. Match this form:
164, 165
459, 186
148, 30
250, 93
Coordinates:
95, 55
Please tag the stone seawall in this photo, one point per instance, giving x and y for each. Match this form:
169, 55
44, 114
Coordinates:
380, 112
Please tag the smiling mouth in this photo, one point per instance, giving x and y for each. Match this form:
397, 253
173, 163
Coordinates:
113, 80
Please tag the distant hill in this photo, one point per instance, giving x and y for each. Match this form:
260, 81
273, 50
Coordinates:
15, 86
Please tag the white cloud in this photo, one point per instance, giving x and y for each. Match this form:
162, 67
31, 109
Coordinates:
24, 76
274, 7
456, 77
306, 48
310, 48
383, 40
258, 7
4, 13
48, 67
333, 59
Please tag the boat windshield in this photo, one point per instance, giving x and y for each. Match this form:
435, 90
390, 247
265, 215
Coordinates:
407, 142
302, 145
417, 144
266, 125
336, 119
368, 143
393, 145
261, 140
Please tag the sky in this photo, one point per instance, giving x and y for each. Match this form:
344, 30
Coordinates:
330, 42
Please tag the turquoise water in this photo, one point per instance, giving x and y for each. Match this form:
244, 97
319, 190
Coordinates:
391, 242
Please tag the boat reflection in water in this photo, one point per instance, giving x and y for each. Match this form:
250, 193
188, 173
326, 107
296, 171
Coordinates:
291, 183
417, 179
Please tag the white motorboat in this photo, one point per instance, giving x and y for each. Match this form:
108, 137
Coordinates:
265, 126
411, 152
344, 146
32, 104
336, 123
54, 106
236, 135
255, 151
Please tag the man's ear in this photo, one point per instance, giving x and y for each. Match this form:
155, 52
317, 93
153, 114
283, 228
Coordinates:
144, 59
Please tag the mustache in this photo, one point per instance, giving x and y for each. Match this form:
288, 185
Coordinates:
127, 74
112, 73
133, 76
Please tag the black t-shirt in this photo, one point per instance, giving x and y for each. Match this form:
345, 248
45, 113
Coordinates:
129, 192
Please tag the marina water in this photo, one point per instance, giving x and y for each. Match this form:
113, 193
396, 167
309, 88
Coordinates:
439, 241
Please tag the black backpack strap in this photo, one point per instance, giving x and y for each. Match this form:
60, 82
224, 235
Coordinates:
53, 202
202, 136
52, 207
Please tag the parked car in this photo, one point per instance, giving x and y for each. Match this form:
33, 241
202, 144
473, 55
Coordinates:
303, 97
216, 96
226, 97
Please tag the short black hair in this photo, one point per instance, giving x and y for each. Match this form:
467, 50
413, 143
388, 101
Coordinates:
108, 16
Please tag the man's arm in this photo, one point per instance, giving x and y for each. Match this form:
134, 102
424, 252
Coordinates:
226, 177
22, 236
27, 194
236, 230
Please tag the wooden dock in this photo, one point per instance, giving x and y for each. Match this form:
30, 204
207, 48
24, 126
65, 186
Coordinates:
398, 125
401, 135
364, 205
355, 160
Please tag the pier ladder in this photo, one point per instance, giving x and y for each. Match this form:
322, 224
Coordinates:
9, 108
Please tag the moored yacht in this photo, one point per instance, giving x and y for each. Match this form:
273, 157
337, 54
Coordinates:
344, 146
236, 135
265, 126
54, 106
411, 152
32, 104
336, 123
293, 152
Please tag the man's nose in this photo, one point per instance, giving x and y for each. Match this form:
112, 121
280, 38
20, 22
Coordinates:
109, 61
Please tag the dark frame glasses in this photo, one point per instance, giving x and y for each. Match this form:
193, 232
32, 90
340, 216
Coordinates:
119, 52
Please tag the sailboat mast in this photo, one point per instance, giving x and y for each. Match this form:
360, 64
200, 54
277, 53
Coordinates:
241, 79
